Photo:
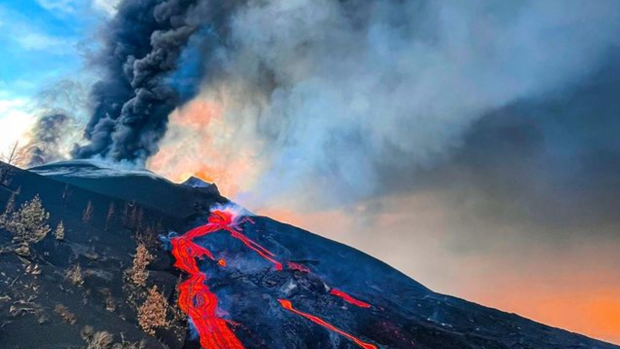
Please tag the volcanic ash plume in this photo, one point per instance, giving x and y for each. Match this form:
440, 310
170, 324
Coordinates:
142, 45
354, 97
337, 95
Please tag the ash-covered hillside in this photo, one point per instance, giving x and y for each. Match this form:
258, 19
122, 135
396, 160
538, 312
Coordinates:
94, 257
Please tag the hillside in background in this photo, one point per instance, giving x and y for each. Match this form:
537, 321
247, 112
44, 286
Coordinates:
109, 280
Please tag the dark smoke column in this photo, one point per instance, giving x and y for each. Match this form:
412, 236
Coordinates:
132, 101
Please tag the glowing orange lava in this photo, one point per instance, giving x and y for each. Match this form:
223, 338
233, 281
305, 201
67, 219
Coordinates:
289, 306
349, 299
195, 298
200, 304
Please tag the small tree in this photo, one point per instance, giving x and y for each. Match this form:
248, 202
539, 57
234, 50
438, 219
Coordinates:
152, 314
28, 225
141, 260
8, 210
59, 233
108, 219
88, 213
74, 275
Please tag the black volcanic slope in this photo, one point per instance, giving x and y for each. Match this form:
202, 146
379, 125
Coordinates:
41, 308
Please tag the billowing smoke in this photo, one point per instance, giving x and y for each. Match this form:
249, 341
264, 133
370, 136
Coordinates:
345, 95
58, 113
141, 47
275, 97
45, 144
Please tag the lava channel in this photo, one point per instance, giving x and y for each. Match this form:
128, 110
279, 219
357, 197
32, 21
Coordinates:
195, 298
349, 299
289, 306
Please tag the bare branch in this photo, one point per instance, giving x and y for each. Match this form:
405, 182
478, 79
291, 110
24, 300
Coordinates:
15, 155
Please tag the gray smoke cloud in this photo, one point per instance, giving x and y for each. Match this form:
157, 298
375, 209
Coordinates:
141, 47
45, 145
349, 95
343, 94
59, 110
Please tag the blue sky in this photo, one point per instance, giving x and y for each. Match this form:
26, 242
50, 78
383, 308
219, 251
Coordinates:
41, 42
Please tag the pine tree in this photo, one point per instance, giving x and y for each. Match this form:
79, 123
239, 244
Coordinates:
152, 314
141, 260
29, 223
74, 275
9, 208
60, 231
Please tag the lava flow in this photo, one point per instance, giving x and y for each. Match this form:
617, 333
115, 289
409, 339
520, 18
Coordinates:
289, 306
349, 299
195, 298
200, 304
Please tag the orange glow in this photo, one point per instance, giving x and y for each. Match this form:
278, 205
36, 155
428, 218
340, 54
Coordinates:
201, 143
587, 308
548, 287
197, 113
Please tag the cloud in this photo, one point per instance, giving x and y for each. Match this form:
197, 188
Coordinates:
28, 36
106, 6
15, 119
66, 6
75, 7
35, 41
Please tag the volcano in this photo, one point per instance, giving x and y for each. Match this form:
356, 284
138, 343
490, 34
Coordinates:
230, 279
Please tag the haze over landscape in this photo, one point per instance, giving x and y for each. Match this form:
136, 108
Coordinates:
472, 146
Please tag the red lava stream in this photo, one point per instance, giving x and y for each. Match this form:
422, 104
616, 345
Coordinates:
289, 306
200, 304
349, 299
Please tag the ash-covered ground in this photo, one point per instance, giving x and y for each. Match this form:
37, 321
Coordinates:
84, 290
